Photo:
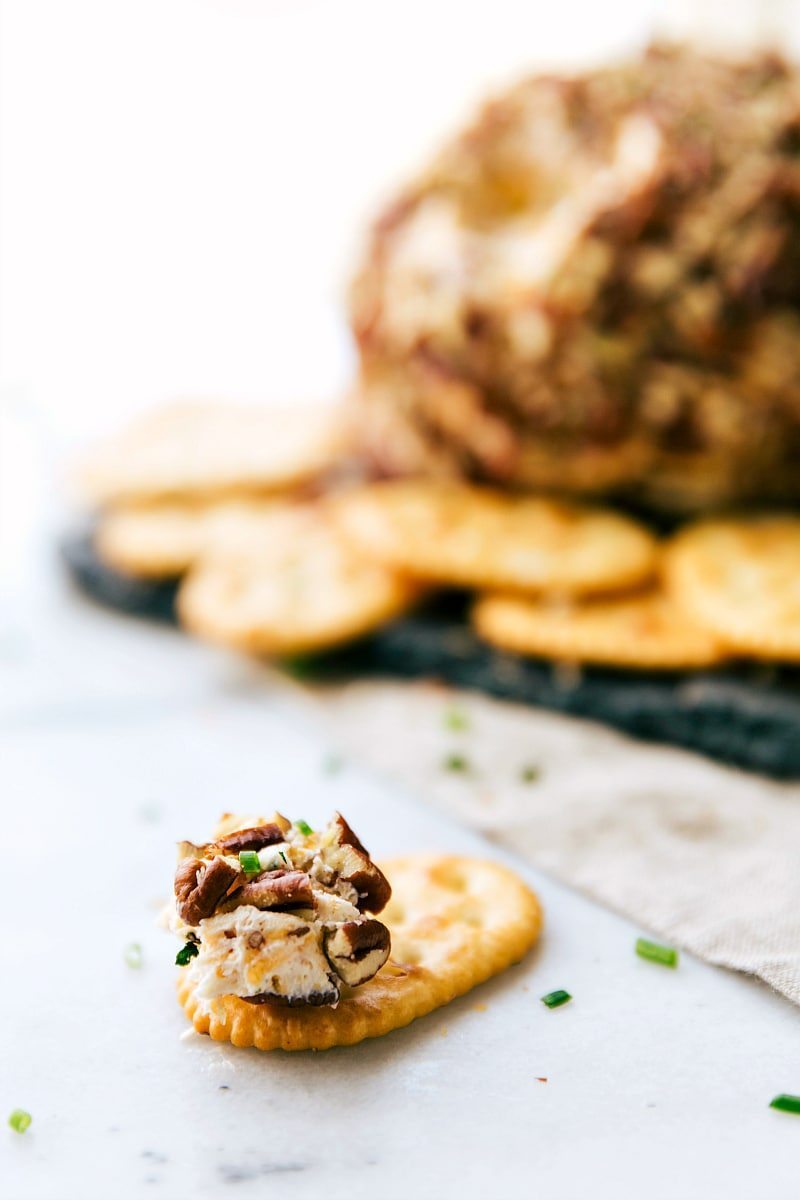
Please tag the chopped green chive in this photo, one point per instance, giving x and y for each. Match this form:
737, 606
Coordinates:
20, 1120
455, 762
784, 1103
300, 668
556, 999
666, 955
133, 955
249, 862
185, 953
304, 828
530, 773
456, 720
332, 764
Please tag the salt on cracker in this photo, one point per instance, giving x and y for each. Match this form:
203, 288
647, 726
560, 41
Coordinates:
300, 590
193, 451
454, 923
163, 539
741, 579
646, 630
472, 537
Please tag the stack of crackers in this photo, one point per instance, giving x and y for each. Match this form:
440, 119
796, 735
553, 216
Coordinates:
281, 553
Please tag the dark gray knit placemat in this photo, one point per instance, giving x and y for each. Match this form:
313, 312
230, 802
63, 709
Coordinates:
745, 714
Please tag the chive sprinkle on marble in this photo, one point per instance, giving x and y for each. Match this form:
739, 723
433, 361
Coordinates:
556, 999
667, 956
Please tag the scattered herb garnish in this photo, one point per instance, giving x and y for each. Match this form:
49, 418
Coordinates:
249, 862
556, 999
300, 668
530, 773
20, 1120
784, 1103
666, 955
185, 953
455, 719
332, 764
133, 955
456, 762
304, 828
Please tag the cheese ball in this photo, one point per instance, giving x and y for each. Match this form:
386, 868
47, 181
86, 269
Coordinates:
593, 289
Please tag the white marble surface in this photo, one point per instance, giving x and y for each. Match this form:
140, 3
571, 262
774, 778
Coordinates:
182, 184
115, 740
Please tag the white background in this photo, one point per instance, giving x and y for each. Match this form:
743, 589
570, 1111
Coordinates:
182, 183
184, 180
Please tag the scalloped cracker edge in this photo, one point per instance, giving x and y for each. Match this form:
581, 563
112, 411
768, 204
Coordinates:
454, 921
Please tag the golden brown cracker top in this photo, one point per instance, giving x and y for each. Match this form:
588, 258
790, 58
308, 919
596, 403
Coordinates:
302, 589
199, 450
164, 538
740, 577
645, 630
474, 537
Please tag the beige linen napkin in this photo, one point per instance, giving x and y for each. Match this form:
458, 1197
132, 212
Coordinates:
705, 857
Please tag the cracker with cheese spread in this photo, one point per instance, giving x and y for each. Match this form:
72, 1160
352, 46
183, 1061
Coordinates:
284, 948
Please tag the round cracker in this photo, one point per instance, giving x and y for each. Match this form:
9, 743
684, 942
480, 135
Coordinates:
472, 537
194, 451
163, 539
454, 923
301, 590
741, 579
647, 630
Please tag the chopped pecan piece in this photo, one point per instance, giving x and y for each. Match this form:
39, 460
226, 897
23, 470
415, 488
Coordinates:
251, 839
355, 867
277, 889
186, 879
346, 836
316, 999
199, 887
357, 950
290, 934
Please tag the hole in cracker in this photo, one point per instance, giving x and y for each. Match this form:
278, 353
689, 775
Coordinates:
449, 876
396, 970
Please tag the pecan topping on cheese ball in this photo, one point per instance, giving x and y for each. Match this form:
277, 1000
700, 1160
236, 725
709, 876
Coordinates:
271, 911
